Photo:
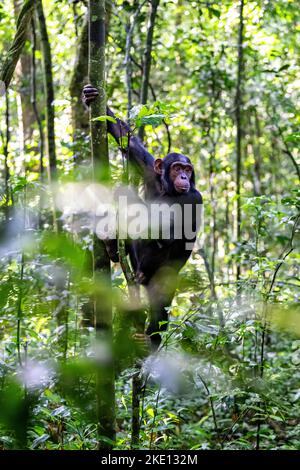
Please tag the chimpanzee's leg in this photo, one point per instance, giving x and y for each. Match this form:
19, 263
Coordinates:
161, 290
112, 249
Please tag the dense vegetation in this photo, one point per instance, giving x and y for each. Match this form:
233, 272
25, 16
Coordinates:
220, 82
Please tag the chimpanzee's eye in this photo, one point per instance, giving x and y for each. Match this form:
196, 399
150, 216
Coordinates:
177, 168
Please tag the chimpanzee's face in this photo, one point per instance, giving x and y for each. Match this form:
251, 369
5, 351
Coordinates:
180, 175
176, 173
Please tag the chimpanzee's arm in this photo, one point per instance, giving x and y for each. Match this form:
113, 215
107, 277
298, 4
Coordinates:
123, 136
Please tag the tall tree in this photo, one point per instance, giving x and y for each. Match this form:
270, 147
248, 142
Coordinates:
79, 78
79, 120
238, 119
23, 76
99, 151
6, 140
137, 6
49, 89
34, 99
148, 59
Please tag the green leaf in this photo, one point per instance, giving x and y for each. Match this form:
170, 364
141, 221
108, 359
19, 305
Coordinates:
150, 412
5, 290
104, 118
293, 137
138, 111
152, 120
215, 12
284, 67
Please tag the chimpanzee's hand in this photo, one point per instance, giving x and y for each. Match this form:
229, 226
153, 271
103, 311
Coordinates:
140, 278
89, 94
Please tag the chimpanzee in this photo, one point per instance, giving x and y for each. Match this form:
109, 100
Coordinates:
156, 262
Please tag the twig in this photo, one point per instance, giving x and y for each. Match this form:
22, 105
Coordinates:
127, 60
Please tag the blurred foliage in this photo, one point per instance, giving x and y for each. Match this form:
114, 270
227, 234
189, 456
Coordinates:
214, 384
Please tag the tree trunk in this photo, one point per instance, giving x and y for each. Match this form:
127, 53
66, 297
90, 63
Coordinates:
23, 78
34, 100
238, 105
105, 388
6, 140
213, 202
80, 74
257, 156
128, 60
79, 79
16, 48
147, 60
49, 90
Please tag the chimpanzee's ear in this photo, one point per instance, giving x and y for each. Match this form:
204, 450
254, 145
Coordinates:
158, 166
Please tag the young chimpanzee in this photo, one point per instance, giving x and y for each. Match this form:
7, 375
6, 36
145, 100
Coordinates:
167, 181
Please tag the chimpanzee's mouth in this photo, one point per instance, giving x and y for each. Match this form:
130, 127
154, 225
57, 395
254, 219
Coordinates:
182, 189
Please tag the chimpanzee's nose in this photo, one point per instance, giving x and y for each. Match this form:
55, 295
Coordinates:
183, 176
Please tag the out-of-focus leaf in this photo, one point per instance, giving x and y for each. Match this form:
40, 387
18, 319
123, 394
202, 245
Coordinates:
104, 118
40, 440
